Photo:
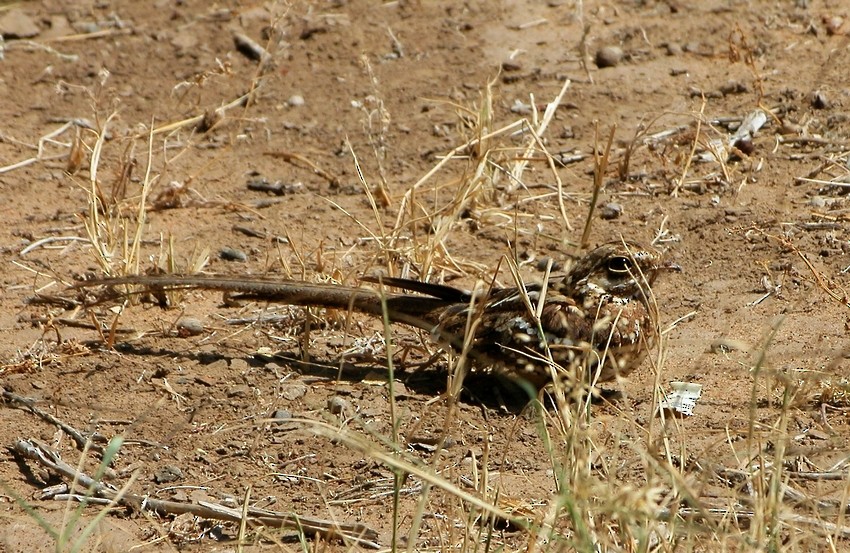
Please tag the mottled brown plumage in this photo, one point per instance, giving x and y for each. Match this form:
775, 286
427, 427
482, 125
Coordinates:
598, 317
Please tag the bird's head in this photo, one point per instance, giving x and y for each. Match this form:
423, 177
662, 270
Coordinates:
619, 269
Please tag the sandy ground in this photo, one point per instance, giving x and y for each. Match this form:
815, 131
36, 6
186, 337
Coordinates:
759, 231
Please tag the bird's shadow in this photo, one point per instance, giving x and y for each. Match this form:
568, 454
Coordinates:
492, 391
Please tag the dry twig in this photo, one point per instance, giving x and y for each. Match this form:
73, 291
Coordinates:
357, 533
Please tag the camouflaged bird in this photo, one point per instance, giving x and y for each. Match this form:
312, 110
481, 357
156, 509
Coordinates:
599, 316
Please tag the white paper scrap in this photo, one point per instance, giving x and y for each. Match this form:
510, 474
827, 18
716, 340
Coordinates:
683, 398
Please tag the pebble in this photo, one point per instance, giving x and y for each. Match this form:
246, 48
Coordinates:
281, 415
819, 100
543, 262
168, 473
734, 87
189, 326
818, 201
86, 27
610, 211
217, 365
240, 391
833, 24
230, 254
745, 145
609, 56
58, 26
17, 24
296, 100
294, 391
337, 405
673, 49
790, 128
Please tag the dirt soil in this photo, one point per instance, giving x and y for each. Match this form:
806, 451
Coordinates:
392, 88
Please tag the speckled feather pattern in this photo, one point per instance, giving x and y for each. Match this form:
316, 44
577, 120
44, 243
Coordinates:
581, 323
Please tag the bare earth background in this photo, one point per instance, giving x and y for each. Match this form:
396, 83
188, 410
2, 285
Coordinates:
399, 85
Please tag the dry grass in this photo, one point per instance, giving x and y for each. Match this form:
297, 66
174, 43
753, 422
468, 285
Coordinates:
636, 488
653, 505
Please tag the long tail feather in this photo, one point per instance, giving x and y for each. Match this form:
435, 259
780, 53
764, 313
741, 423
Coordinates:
418, 311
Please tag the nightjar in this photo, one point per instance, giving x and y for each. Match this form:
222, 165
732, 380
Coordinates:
600, 317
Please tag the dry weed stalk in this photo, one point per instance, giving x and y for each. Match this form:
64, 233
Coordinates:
377, 124
476, 193
828, 285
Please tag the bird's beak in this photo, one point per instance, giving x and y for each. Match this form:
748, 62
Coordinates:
669, 266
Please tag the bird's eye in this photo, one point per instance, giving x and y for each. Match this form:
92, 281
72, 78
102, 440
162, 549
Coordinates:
619, 265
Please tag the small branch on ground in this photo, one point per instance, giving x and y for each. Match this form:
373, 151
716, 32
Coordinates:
357, 533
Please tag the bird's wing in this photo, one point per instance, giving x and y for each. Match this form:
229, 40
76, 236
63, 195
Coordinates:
441, 291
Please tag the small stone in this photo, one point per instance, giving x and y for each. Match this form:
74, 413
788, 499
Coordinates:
337, 405
819, 100
543, 262
610, 211
204, 380
38, 384
294, 391
281, 415
17, 24
833, 24
230, 254
189, 326
734, 87
673, 49
240, 391
609, 56
238, 365
217, 365
296, 100
86, 27
745, 145
58, 26
511, 65
168, 473
790, 128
